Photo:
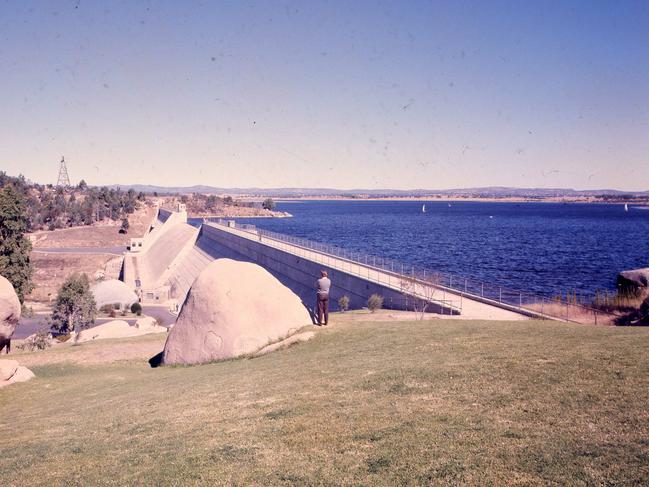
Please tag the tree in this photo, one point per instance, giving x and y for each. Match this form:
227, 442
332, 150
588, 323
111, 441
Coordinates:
75, 306
268, 204
15, 264
125, 225
419, 292
83, 185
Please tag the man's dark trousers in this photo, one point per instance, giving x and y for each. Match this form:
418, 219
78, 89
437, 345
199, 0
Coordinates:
323, 308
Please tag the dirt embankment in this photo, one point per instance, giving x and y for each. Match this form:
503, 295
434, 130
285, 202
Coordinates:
50, 270
98, 235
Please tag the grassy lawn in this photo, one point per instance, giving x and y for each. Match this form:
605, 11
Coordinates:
435, 402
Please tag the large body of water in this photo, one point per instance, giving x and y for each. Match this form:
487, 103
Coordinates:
543, 248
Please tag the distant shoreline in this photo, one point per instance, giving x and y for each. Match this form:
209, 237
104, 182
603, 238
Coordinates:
512, 199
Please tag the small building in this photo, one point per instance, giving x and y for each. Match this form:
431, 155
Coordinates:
136, 245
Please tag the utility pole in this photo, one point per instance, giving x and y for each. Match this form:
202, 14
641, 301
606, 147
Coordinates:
63, 179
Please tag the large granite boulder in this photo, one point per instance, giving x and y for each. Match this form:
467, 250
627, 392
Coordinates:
232, 309
635, 281
9, 312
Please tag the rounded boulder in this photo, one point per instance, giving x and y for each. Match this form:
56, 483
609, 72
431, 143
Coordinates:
9, 309
232, 309
635, 281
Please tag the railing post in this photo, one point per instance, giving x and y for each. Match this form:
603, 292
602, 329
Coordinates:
465, 284
482, 289
500, 294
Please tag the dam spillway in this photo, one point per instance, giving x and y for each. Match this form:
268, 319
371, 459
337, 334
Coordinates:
164, 264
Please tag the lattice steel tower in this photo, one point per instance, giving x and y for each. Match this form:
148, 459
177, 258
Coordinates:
63, 180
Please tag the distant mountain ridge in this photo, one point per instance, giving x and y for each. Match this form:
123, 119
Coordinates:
489, 191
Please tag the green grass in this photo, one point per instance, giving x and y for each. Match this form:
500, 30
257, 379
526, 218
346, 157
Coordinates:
407, 403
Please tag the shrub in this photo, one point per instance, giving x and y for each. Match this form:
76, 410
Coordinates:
125, 226
106, 308
136, 308
374, 302
40, 340
343, 303
112, 313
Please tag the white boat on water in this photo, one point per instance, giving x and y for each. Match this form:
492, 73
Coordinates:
626, 207
423, 209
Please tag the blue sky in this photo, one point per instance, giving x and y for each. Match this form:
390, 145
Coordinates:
327, 94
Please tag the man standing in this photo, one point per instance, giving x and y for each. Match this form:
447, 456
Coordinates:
322, 286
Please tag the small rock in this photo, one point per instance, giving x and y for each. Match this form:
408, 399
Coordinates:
7, 369
11, 371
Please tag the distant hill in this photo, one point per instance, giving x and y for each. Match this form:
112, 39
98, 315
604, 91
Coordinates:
484, 192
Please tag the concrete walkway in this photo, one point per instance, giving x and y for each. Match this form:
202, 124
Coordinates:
470, 309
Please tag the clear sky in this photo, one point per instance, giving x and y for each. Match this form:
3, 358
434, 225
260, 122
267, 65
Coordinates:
327, 94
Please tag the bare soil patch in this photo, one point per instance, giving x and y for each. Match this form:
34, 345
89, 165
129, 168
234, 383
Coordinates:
50, 270
99, 235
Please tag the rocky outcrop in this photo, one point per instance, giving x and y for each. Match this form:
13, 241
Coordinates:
232, 309
11, 372
119, 329
634, 281
9, 313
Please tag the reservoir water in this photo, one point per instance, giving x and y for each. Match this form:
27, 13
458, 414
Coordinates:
544, 248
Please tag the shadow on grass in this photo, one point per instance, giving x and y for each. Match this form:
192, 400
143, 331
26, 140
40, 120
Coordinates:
156, 360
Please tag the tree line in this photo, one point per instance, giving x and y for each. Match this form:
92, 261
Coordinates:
48, 207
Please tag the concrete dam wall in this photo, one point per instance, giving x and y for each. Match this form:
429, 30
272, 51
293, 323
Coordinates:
296, 272
173, 254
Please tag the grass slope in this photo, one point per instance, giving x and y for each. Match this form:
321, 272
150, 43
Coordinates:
441, 402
